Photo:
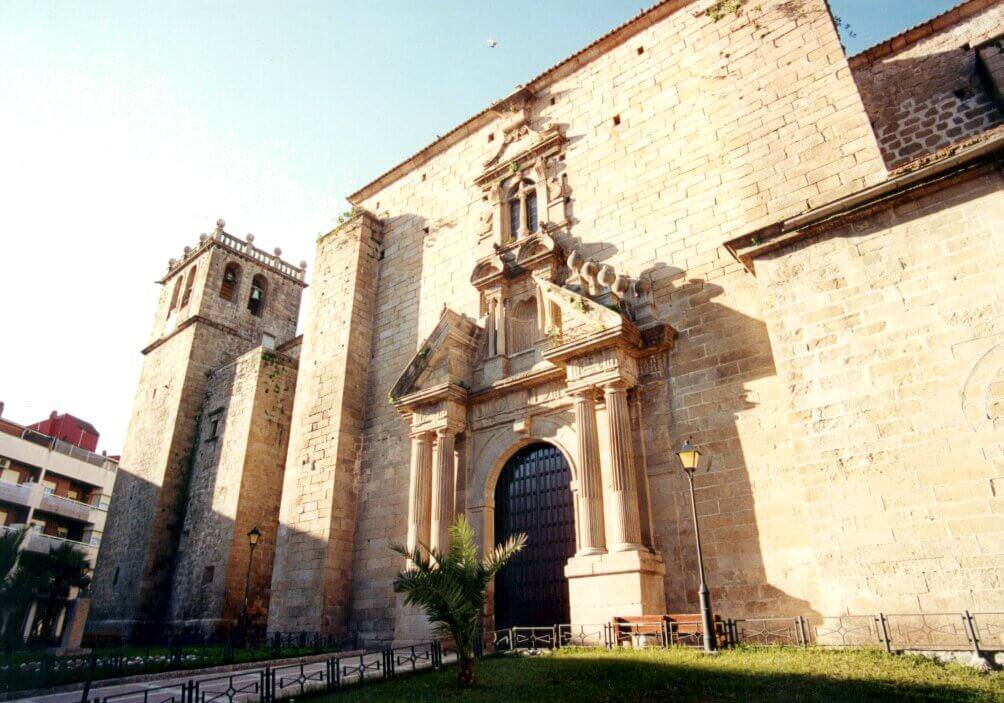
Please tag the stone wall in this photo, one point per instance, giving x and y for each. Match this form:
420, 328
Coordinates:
888, 338
310, 581
239, 460
922, 90
720, 127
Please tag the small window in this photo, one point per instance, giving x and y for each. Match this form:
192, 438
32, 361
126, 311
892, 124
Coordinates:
115, 578
256, 301
189, 285
522, 203
268, 341
174, 295
73, 494
215, 424
207, 574
49, 487
63, 532
231, 279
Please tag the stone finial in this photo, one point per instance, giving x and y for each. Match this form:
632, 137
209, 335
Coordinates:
220, 224
277, 251
250, 237
303, 264
203, 237
187, 250
171, 263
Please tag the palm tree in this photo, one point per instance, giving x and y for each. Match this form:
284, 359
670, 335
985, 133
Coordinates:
10, 544
52, 576
451, 588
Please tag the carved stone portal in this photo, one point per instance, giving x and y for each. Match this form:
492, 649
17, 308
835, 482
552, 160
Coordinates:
555, 356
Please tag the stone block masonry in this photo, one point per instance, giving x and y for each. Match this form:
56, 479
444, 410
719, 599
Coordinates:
196, 330
722, 127
922, 89
888, 336
312, 574
239, 461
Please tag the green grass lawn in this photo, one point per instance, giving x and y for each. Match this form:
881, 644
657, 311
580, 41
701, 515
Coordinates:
768, 674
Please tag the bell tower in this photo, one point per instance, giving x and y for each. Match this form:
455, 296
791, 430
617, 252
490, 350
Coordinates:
223, 298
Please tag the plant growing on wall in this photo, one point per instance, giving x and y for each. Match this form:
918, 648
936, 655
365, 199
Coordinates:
451, 587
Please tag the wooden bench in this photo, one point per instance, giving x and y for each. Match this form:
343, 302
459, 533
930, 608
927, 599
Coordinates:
681, 628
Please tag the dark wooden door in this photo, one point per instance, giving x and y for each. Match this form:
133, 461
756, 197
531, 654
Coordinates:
533, 496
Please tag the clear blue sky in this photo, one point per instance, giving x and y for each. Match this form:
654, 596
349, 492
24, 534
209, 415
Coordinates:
129, 127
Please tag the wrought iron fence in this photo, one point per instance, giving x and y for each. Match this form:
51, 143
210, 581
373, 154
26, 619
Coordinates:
979, 632
268, 683
177, 650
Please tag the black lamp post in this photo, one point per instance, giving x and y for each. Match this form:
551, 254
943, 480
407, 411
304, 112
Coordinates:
253, 536
690, 457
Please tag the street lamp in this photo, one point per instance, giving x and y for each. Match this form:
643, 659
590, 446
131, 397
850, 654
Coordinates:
689, 458
253, 536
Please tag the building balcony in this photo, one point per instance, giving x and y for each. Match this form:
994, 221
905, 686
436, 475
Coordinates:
17, 493
42, 543
67, 507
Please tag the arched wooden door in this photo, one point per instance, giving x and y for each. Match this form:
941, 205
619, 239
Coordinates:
533, 496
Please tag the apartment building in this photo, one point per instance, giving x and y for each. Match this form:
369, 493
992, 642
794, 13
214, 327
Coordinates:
58, 489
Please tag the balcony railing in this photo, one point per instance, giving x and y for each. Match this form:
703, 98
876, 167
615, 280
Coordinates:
18, 493
58, 445
67, 507
40, 542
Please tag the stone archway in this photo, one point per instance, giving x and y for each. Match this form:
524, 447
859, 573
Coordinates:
533, 496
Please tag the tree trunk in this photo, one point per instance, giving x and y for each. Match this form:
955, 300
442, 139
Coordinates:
465, 673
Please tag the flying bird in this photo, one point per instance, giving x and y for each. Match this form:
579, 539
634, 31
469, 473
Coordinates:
492, 43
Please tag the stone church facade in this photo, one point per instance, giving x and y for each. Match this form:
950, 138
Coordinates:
703, 225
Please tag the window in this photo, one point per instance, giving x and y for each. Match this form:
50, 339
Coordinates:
4, 517
189, 284
215, 421
231, 279
49, 487
207, 574
174, 295
63, 532
256, 301
115, 578
522, 204
10, 476
73, 494
268, 341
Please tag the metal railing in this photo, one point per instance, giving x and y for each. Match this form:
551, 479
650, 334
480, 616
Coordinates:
58, 445
41, 542
264, 684
979, 632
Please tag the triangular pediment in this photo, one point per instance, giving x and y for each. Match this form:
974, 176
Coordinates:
445, 359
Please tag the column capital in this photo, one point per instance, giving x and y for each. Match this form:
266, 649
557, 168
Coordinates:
420, 435
615, 385
587, 392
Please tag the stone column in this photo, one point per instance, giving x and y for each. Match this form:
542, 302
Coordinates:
592, 539
491, 326
622, 518
419, 490
443, 492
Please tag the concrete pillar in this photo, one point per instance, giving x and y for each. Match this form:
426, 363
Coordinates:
591, 537
622, 505
419, 490
443, 492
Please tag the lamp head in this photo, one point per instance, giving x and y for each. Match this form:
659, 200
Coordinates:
689, 456
253, 536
